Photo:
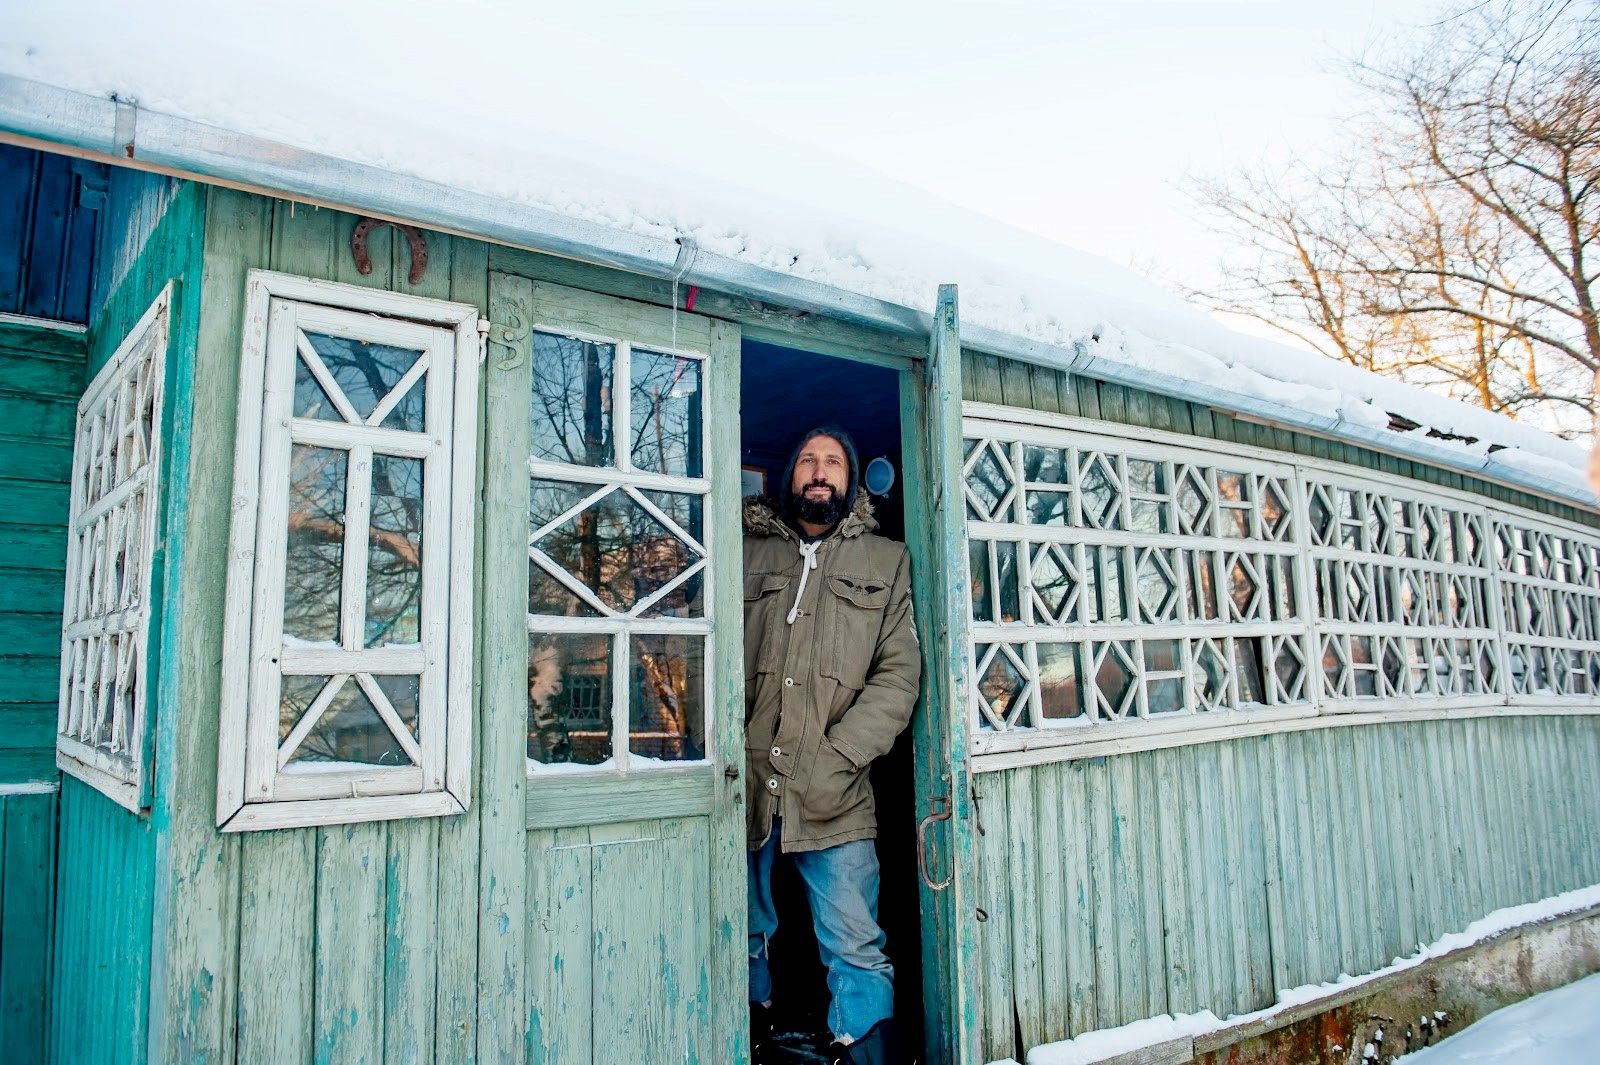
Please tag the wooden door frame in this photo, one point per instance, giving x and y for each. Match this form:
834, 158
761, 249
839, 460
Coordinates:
936, 537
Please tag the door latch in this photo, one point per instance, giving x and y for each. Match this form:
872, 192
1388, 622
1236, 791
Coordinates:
941, 812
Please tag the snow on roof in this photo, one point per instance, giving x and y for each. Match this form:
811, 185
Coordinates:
535, 108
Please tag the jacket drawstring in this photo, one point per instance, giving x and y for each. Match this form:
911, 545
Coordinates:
809, 553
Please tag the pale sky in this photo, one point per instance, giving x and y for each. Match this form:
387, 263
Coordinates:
1075, 120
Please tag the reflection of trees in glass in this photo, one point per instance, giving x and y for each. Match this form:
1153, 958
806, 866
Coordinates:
618, 549
569, 697
314, 568
666, 695
664, 408
394, 552
314, 562
365, 373
571, 400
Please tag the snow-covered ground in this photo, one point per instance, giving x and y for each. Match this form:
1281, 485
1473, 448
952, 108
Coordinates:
1560, 1027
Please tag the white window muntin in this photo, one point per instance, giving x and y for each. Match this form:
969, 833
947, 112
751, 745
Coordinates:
1380, 568
1032, 745
1201, 538
622, 476
103, 733
253, 790
1548, 595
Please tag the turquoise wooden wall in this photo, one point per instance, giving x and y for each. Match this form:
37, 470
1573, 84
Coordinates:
1210, 876
27, 858
104, 889
41, 378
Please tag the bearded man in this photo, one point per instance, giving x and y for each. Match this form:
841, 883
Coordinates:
831, 672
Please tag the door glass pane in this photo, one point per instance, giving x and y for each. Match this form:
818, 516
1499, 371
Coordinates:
666, 697
624, 554
394, 552
664, 408
569, 697
366, 374
571, 402
314, 559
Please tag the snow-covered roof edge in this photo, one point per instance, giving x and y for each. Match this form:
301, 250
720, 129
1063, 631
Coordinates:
1238, 380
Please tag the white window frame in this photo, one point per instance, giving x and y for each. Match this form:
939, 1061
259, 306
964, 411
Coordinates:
1035, 741
619, 627
120, 770
251, 791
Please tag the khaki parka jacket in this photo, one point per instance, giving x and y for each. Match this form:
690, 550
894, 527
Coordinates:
829, 693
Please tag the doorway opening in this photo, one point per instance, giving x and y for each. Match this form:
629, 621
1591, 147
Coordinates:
783, 393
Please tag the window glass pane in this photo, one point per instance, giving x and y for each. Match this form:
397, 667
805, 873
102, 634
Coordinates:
350, 730
366, 374
394, 553
666, 697
982, 594
1045, 464
1049, 508
569, 697
314, 560
1060, 696
665, 411
624, 554
990, 485
571, 402
1006, 563
1247, 667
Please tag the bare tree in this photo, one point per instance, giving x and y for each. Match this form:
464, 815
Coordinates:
1454, 239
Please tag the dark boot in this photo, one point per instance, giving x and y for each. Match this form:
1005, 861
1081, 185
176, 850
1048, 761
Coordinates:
760, 1033
880, 1046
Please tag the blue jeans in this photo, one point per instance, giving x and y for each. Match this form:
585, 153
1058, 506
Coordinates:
842, 886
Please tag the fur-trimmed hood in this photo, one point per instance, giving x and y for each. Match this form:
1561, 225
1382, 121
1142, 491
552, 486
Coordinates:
761, 518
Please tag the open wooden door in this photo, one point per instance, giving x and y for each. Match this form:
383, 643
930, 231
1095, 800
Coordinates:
946, 849
613, 541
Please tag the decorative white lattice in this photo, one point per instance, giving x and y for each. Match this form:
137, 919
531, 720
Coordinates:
102, 718
1550, 605
1117, 580
1113, 581
1402, 593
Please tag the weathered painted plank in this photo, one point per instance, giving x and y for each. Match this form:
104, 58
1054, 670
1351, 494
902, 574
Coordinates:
351, 896
560, 939
1291, 857
627, 865
412, 944
1052, 888
277, 946
995, 900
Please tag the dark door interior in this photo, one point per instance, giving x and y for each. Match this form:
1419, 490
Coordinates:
783, 393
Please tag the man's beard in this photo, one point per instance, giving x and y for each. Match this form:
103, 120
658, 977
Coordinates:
817, 511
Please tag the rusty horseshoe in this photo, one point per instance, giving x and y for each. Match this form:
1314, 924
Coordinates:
413, 235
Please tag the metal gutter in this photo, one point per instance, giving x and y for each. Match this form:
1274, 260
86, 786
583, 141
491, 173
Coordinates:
122, 133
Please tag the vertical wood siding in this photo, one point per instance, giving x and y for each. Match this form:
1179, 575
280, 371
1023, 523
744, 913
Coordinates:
347, 943
41, 377
101, 991
50, 215
105, 882
27, 912
1209, 877
606, 981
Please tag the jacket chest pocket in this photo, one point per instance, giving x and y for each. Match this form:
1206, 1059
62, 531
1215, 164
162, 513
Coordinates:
857, 605
766, 602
